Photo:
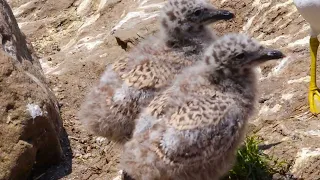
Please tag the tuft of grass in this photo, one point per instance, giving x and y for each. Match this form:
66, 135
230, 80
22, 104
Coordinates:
253, 164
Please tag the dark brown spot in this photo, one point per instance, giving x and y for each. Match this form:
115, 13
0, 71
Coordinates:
177, 30
190, 29
194, 108
182, 118
233, 130
223, 53
183, 88
170, 43
171, 16
234, 71
207, 60
156, 127
205, 116
246, 71
215, 55
215, 108
153, 112
144, 76
164, 23
201, 101
183, 2
222, 108
183, 10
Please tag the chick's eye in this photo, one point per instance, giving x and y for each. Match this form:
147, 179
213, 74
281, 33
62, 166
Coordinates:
197, 13
240, 56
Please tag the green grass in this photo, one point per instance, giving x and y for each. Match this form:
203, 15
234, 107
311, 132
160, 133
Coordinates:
253, 164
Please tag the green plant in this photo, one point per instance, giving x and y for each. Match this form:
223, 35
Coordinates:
252, 163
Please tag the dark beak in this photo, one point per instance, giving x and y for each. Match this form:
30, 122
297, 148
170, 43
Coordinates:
270, 54
214, 15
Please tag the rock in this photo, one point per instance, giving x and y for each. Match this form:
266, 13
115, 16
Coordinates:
29, 117
137, 24
307, 164
104, 4
84, 7
89, 35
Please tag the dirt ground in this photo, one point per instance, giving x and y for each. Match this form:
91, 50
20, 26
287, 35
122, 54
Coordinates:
75, 40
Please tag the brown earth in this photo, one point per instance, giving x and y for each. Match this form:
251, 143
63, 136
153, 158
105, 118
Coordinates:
75, 39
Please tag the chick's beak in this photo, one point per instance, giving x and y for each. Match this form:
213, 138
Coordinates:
270, 54
216, 15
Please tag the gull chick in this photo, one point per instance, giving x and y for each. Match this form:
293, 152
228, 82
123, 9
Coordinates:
191, 130
110, 108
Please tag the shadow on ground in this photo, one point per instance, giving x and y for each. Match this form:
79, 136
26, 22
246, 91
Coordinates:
61, 170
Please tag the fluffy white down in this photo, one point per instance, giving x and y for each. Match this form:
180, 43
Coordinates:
34, 110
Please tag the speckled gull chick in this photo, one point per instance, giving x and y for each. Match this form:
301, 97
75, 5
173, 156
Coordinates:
110, 108
191, 130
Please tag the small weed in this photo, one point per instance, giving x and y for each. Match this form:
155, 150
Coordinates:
253, 164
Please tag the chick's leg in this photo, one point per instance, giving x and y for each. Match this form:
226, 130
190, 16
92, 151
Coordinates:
314, 94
